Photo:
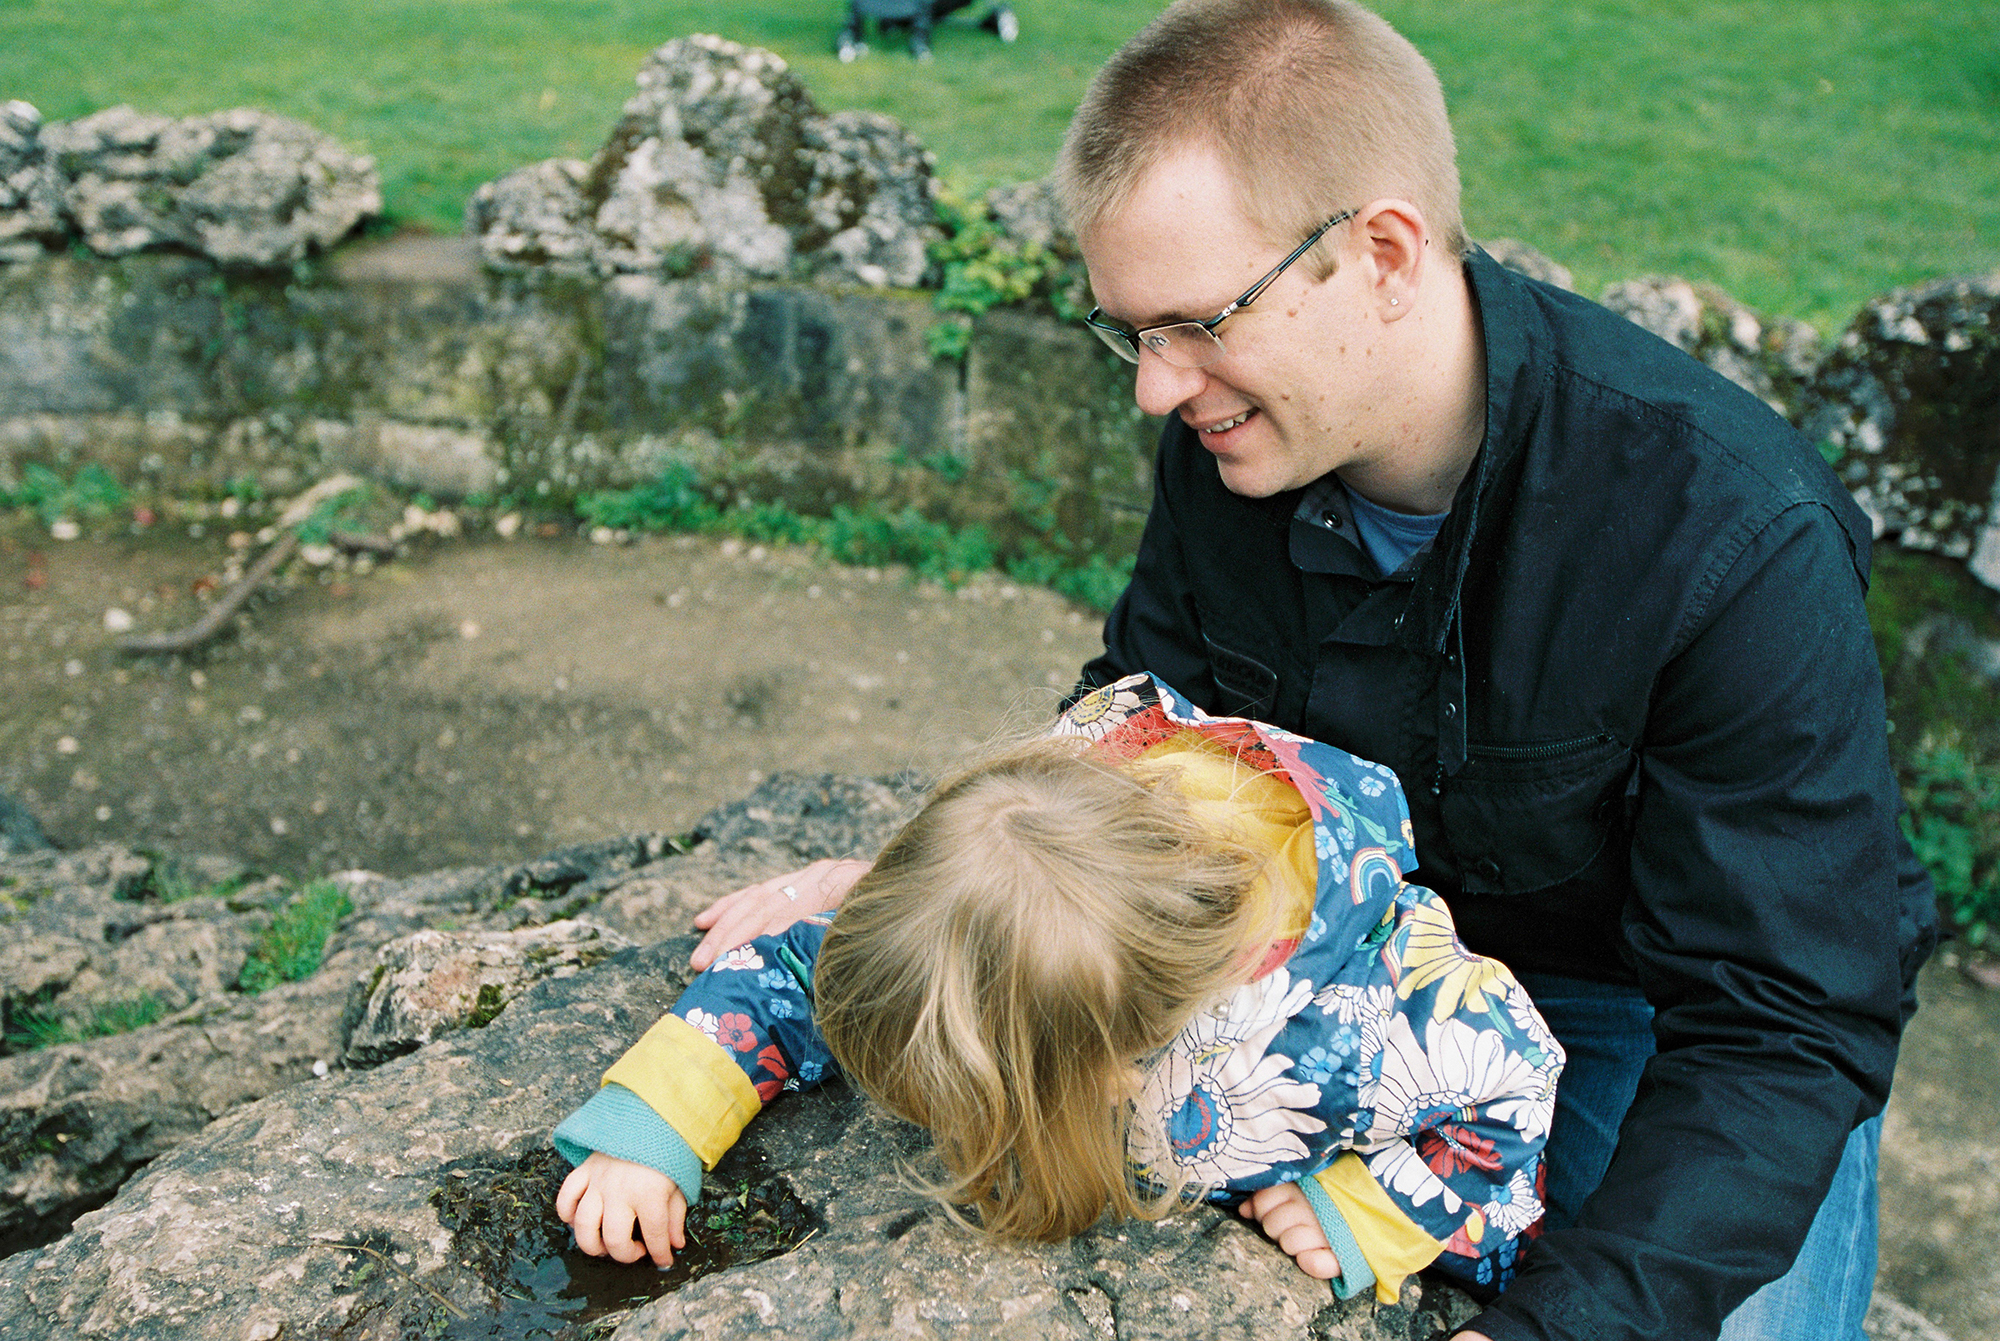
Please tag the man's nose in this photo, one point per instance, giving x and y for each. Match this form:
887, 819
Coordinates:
1160, 388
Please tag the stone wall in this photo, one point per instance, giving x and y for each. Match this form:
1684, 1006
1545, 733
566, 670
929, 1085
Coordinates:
408, 362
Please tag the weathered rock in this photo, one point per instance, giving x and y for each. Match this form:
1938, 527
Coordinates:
535, 218
1891, 1320
431, 983
1772, 357
238, 1232
1030, 212
243, 187
19, 833
722, 165
31, 217
1910, 400
1518, 255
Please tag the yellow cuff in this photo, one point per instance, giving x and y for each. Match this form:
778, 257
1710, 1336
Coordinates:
1393, 1243
686, 1077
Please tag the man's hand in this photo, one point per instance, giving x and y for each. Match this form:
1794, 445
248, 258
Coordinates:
605, 1198
765, 908
1287, 1220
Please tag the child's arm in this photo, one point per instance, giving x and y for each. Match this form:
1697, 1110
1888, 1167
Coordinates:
604, 1199
1459, 1098
677, 1100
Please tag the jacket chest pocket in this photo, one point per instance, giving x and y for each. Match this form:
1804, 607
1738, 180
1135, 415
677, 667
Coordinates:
1525, 817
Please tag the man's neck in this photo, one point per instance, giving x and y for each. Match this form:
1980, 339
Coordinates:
1436, 429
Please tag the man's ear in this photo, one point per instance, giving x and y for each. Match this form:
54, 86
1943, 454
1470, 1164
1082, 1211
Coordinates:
1393, 240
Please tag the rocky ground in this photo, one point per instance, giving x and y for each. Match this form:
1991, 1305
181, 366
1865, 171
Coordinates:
361, 1153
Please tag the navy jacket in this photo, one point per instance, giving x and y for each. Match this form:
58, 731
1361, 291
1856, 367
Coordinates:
1632, 696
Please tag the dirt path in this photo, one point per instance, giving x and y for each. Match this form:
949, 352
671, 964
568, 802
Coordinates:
483, 701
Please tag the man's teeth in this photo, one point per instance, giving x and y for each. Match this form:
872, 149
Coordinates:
1228, 424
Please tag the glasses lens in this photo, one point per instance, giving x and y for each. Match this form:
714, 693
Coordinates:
1119, 342
1188, 345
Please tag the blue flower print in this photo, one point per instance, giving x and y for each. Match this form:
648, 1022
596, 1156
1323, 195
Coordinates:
1371, 786
1316, 930
780, 1009
775, 980
1318, 1066
1332, 853
810, 1071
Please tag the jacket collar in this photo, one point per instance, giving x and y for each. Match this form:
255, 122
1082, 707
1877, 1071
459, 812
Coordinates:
1513, 333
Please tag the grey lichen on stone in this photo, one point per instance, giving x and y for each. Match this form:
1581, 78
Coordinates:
431, 982
722, 165
243, 187
31, 217
1771, 357
1909, 401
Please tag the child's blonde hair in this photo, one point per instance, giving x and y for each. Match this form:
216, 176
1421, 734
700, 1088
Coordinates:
1049, 919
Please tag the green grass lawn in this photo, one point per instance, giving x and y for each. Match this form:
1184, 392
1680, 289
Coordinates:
1802, 155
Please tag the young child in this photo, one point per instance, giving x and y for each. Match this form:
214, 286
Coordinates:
1157, 957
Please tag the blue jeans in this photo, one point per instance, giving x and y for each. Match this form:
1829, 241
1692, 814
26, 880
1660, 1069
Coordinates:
1607, 1032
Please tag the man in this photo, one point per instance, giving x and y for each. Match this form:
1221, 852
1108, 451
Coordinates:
1599, 609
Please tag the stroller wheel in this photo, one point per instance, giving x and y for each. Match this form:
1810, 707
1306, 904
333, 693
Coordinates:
1006, 24
849, 47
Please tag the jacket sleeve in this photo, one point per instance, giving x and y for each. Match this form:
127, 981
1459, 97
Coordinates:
740, 1034
1154, 626
1455, 1104
1764, 926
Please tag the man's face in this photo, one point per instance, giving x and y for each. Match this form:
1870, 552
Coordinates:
1291, 398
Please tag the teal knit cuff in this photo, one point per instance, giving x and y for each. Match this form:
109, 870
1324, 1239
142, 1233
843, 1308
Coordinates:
1355, 1273
619, 1123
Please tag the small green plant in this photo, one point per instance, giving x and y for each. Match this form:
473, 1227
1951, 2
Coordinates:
982, 268
1954, 825
292, 947
872, 534
92, 492
30, 1027
675, 501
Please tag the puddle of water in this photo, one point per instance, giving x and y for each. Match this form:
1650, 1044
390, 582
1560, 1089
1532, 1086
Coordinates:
507, 1232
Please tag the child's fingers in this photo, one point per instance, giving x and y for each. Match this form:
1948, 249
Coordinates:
655, 1227
1319, 1263
572, 1191
677, 1209
620, 1219
589, 1216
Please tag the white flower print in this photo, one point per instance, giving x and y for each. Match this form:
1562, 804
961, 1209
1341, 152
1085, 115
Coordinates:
1530, 1113
1456, 1066
1398, 1167
706, 1022
742, 957
1217, 1104
1514, 1206
1101, 711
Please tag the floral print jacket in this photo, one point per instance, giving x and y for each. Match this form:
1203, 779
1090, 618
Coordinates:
1405, 1084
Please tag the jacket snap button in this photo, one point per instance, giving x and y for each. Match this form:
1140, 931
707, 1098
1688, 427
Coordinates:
1487, 869
1450, 711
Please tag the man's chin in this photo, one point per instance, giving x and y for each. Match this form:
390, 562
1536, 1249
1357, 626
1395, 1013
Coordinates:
1249, 480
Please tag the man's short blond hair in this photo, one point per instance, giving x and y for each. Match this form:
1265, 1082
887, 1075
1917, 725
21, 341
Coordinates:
1314, 106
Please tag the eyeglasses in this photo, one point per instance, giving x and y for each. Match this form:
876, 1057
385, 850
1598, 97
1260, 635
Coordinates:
1194, 344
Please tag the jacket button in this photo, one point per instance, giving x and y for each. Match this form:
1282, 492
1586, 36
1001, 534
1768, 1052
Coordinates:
1450, 711
1487, 869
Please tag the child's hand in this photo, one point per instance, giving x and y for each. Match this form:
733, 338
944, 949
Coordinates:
604, 1197
765, 909
1287, 1219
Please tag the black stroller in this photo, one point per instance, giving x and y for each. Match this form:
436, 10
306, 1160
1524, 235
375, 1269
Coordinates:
918, 16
